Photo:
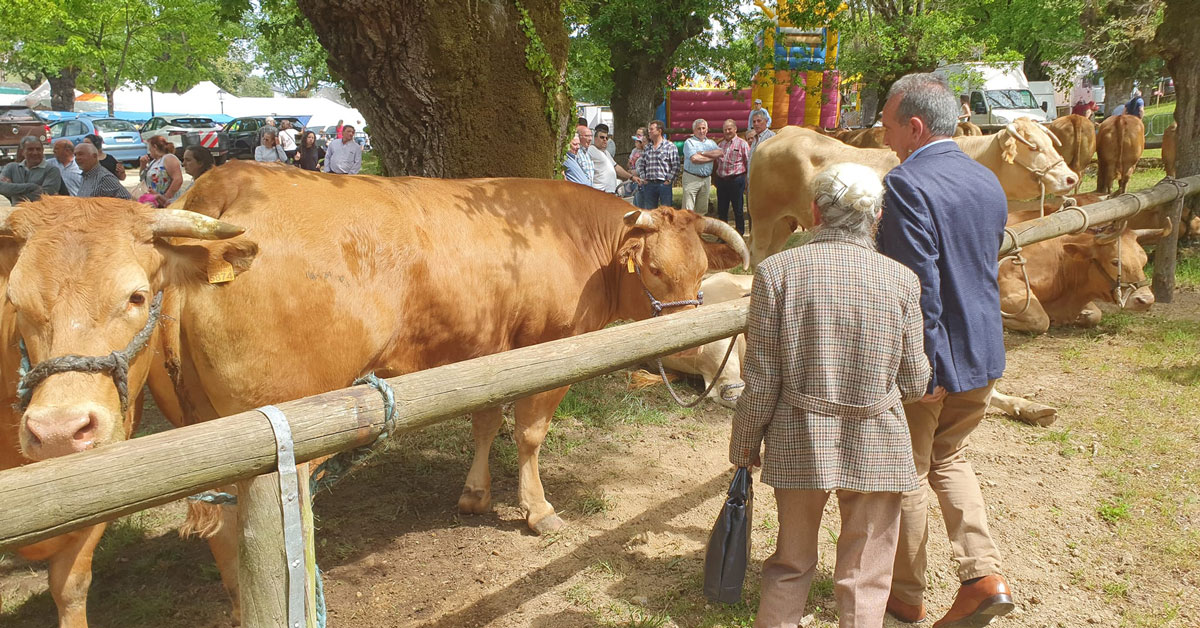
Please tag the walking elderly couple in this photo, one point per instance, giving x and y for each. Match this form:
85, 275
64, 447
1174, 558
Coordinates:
870, 356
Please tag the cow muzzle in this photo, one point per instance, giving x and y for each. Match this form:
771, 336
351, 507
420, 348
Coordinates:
52, 431
1141, 300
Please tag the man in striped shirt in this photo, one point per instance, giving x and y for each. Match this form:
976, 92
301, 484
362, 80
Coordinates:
731, 174
96, 180
657, 168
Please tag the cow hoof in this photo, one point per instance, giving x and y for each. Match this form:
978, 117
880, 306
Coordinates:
1041, 416
475, 502
547, 525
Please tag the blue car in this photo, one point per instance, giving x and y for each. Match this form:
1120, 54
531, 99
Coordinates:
121, 138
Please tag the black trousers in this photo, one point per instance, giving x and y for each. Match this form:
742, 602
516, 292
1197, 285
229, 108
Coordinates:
729, 190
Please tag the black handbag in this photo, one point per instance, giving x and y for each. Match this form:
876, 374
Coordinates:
728, 551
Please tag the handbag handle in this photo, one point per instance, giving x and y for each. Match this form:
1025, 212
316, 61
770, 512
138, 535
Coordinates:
740, 487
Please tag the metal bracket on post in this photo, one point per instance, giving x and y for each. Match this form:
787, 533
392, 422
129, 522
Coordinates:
289, 501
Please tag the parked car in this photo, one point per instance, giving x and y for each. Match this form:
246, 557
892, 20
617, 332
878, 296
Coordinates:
17, 122
243, 133
184, 131
120, 138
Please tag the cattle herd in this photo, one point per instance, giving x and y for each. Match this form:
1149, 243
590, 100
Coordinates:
326, 278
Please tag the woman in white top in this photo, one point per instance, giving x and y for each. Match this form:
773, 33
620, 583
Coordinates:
269, 149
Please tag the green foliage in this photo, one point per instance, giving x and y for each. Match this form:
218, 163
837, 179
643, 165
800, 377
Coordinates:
286, 47
1044, 33
170, 44
1119, 34
539, 61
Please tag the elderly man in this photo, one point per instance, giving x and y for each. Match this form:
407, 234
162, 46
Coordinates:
758, 134
699, 153
833, 346
344, 156
96, 180
29, 179
731, 174
583, 155
758, 108
64, 160
943, 217
656, 168
572, 171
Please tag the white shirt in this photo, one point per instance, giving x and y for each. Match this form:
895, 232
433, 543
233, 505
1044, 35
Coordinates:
287, 139
914, 153
343, 157
605, 178
72, 176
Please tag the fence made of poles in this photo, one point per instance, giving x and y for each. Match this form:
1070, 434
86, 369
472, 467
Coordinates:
53, 497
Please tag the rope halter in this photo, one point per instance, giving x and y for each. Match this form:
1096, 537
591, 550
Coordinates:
659, 306
116, 364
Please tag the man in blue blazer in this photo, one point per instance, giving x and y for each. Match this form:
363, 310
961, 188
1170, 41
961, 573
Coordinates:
943, 217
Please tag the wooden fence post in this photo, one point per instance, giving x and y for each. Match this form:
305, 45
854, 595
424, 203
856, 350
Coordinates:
262, 565
1165, 253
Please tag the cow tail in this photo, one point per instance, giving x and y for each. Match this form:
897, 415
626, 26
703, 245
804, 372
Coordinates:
203, 520
1080, 158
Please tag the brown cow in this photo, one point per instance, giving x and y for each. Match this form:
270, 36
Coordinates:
1168, 148
1068, 273
1077, 141
1119, 144
781, 198
356, 274
870, 137
967, 128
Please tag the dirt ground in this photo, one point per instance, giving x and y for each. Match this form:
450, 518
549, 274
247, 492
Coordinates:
640, 481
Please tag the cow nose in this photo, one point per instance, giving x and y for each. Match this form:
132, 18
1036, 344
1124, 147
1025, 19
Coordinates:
59, 431
1146, 299
1071, 181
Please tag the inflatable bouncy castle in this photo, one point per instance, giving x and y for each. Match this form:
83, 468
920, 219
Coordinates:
799, 86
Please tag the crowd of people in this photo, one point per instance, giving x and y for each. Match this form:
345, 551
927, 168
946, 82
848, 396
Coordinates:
656, 162
871, 353
286, 144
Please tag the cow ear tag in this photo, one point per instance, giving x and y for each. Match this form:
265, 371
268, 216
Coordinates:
220, 271
629, 264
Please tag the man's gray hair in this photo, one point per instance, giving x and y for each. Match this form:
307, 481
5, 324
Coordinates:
87, 147
270, 131
928, 97
849, 197
697, 122
29, 139
759, 114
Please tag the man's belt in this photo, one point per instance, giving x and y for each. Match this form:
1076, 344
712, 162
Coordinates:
696, 174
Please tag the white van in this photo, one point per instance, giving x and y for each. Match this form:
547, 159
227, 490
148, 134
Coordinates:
999, 93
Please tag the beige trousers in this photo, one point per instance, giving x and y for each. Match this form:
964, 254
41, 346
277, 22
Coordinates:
865, 546
695, 192
939, 439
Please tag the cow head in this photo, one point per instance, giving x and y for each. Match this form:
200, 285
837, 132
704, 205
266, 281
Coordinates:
82, 280
1115, 262
662, 259
1033, 161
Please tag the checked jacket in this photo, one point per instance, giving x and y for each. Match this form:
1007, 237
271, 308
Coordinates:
834, 344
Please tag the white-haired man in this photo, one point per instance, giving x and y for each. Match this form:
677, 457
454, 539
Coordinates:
699, 153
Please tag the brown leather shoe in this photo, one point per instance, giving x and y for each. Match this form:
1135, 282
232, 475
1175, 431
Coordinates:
905, 612
977, 604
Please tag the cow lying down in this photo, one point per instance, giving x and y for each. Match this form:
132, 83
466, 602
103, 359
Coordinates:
721, 287
705, 361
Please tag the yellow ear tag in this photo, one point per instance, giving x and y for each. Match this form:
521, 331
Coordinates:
629, 262
220, 272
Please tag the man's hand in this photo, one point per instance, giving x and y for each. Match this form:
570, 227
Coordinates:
5, 180
755, 460
936, 396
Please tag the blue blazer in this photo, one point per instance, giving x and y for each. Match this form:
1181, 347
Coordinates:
943, 217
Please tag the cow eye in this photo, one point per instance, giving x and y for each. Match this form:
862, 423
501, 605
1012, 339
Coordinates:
1115, 262
137, 298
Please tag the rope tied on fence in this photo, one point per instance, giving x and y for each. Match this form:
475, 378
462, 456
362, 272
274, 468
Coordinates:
337, 467
1019, 261
116, 364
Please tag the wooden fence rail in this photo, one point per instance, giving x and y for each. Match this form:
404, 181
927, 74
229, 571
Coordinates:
52, 497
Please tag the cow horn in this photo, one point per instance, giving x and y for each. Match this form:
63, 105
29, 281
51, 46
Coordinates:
639, 218
5, 227
1012, 130
1053, 137
728, 235
178, 223
1148, 236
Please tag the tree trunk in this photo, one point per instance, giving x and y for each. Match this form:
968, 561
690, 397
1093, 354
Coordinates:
62, 89
637, 92
445, 86
1117, 89
1179, 38
110, 96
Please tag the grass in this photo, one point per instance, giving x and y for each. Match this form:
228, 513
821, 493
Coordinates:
370, 162
1142, 178
1166, 107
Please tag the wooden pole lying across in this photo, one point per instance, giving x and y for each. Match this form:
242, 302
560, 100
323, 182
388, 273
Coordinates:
52, 497
1123, 206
